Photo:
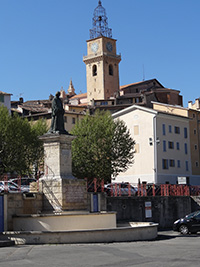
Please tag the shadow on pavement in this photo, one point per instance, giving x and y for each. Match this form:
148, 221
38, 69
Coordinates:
165, 237
171, 235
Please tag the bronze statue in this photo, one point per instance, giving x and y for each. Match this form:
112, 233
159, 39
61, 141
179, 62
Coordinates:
57, 120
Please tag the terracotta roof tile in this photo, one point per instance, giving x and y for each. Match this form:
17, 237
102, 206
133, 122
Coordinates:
36, 102
79, 96
127, 85
35, 108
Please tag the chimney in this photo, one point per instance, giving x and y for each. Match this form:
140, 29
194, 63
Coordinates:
51, 97
197, 103
189, 104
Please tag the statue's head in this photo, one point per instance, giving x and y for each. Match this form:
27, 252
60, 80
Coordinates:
57, 94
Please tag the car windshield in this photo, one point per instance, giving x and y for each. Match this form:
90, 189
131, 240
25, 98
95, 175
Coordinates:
189, 216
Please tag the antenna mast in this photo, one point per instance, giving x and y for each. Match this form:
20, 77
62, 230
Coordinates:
143, 73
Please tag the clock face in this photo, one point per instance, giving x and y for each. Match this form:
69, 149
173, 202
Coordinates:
109, 46
94, 47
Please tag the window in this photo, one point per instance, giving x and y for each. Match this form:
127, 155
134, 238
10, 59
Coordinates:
177, 146
178, 163
170, 128
104, 103
73, 120
186, 166
110, 70
195, 147
185, 132
172, 163
197, 164
164, 145
65, 119
136, 129
186, 150
94, 70
197, 216
193, 115
165, 164
195, 131
163, 129
171, 145
177, 129
1, 98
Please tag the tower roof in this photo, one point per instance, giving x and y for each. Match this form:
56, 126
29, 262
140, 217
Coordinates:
100, 24
71, 89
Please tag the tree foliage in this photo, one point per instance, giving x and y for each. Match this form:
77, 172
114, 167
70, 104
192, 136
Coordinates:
20, 147
102, 148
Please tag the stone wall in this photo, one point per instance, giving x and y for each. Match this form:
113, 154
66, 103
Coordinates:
18, 203
64, 194
165, 210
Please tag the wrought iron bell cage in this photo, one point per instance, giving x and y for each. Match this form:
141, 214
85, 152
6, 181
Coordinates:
100, 24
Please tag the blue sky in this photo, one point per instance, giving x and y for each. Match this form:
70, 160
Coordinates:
42, 44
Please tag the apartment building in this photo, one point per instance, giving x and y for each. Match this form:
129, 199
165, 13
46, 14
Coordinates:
162, 149
193, 113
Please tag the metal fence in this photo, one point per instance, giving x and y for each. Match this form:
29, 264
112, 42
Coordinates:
141, 190
25, 185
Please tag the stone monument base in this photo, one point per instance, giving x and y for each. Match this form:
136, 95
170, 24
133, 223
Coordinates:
62, 191
58, 160
63, 194
66, 221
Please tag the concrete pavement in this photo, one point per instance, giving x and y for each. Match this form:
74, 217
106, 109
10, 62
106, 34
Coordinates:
170, 249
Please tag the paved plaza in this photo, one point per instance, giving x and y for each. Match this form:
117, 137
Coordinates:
170, 249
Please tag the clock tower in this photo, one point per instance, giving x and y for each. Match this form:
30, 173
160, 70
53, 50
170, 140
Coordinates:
102, 61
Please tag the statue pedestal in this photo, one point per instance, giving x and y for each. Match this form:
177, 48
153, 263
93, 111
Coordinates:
61, 190
57, 151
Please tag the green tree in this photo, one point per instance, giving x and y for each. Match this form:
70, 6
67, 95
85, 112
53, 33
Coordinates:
102, 148
20, 147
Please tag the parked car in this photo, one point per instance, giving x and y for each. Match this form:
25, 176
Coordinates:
91, 188
149, 188
11, 187
189, 224
23, 182
194, 190
123, 189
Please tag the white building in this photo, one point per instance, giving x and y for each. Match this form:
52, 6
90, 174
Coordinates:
5, 100
162, 149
